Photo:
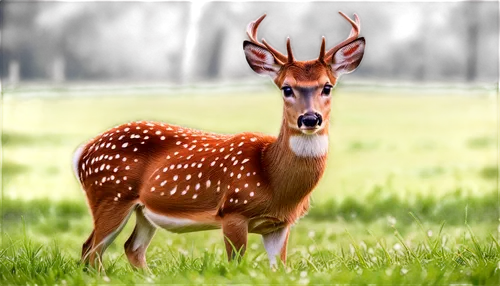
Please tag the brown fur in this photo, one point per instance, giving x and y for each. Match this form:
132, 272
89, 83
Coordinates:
243, 183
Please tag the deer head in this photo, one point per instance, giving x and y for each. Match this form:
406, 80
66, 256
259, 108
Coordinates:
306, 85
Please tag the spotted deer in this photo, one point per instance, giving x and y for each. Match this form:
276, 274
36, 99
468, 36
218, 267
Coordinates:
184, 180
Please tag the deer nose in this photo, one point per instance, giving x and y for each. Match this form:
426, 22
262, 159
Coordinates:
310, 119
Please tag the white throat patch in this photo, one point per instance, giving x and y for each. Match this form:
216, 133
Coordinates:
309, 145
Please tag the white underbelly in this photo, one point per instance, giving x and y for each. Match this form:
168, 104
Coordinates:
179, 225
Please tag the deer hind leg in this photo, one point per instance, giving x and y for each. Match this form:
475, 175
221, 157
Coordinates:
109, 220
138, 242
87, 246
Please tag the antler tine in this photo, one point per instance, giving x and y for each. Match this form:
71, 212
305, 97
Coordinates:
321, 57
358, 24
356, 27
252, 30
252, 34
289, 51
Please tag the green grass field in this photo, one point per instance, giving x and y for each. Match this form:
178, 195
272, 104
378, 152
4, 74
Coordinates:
409, 196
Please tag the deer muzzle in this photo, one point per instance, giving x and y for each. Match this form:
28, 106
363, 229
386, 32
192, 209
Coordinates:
309, 120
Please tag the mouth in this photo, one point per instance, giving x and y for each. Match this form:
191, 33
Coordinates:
309, 130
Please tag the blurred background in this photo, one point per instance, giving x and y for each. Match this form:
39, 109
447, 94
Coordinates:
414, 128
188, 43
413, 151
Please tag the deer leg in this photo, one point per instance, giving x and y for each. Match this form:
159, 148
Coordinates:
109, 220
138, 242
275, 243
86, 247
235, 230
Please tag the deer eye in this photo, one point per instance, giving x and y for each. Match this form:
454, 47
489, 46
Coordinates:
327, 90
287, 91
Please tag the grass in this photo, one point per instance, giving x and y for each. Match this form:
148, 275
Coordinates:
320, 252
409, 196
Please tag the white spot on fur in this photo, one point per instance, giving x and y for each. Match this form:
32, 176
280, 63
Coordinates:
173, 190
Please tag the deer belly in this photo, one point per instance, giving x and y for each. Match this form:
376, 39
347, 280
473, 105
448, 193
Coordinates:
179, 225
264, 225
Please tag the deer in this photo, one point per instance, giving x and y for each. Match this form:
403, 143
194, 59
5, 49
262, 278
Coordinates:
184, 180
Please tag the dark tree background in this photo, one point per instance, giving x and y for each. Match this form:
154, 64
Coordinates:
190, 42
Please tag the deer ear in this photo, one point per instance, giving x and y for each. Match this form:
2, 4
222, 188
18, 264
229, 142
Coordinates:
348, 57
261, 60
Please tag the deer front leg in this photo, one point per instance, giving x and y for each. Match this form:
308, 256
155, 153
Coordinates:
235, 230
275, 243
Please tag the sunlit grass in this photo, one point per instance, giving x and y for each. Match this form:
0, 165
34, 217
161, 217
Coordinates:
46, 251
409, 195
409, 144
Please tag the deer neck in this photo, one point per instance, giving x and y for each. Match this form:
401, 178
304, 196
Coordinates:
294, 163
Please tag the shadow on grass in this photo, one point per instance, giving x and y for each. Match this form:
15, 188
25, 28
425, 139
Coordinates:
454, 209
489, 172
481, 142
357, 146
19, 209
11, 170
424, 145
431, 172
12, 139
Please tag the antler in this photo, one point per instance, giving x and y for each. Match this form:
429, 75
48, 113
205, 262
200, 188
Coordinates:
252, 34
356, 27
